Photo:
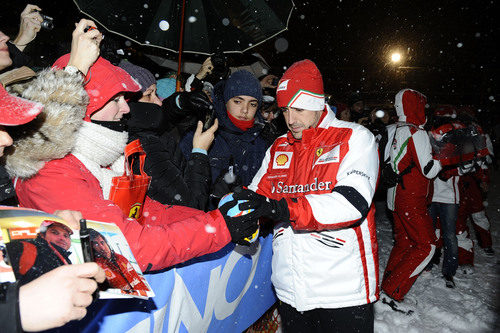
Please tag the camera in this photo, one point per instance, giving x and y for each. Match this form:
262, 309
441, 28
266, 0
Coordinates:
48, 22
89, 28
221, 68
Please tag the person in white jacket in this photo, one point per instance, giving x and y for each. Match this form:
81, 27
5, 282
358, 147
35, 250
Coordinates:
317, 184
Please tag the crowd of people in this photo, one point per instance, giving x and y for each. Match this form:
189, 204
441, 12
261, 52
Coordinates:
308, 167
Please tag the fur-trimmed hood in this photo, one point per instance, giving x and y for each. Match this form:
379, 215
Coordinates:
52, 134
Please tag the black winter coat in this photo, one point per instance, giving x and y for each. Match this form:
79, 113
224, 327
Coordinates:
175, 180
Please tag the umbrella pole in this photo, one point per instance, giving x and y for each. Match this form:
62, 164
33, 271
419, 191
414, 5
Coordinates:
181, 38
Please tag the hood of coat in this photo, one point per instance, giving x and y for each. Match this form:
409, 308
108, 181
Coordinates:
52, 134
410, 107
225, 124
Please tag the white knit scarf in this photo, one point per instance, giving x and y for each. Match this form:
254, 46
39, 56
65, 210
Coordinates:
98, 147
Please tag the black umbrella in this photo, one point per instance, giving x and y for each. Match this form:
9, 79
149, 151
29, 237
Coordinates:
209, 25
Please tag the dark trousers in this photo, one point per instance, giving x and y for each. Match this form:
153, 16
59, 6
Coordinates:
352, 319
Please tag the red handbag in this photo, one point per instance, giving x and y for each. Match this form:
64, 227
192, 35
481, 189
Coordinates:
129, 191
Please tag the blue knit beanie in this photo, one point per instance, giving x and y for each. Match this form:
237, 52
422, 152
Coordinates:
241, 83
165, 87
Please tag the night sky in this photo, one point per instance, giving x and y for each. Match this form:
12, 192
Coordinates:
448, 46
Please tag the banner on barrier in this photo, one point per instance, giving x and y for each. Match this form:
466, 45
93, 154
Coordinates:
225, 291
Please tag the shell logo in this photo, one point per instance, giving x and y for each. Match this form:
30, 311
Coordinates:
281, 159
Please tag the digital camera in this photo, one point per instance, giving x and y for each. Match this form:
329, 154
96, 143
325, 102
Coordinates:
48, 22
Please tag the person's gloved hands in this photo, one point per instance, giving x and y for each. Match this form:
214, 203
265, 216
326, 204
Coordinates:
239, 227
466, 167
195, 101
262, 206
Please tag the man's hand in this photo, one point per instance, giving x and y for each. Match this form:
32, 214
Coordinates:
239, 227
203, 140
30, 25
262, 206
58, 296
267, 81
71, 217
84, 46
206, 68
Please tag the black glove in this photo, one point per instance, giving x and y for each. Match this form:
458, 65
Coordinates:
197, 102
262, 206
240, 227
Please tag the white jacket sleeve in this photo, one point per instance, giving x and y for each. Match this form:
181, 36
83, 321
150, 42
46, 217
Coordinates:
428, 166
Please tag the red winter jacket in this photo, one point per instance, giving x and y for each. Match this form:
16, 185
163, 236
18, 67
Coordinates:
170, 234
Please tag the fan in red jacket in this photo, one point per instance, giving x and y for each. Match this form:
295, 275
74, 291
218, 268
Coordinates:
409, 148
77, 174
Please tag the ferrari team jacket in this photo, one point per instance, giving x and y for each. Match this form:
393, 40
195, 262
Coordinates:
326, 255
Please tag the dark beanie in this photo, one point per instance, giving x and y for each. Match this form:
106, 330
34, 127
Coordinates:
140, 74
241, 83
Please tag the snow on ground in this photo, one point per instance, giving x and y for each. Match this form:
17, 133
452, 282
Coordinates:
473, 306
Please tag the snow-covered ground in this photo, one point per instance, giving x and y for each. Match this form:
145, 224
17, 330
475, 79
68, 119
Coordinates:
473, 306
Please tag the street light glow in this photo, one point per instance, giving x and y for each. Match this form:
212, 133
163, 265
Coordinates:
396, 57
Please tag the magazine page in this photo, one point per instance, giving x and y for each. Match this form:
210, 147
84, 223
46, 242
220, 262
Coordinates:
34, 242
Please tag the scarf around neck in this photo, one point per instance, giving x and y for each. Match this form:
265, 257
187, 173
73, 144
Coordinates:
98, 148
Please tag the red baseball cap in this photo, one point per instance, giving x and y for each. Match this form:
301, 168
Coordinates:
16, 110
105, 81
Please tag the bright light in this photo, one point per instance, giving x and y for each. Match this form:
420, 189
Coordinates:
396, 57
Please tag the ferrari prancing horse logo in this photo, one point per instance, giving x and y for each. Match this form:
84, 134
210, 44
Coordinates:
319, 151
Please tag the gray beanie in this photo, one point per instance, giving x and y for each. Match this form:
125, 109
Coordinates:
140, 74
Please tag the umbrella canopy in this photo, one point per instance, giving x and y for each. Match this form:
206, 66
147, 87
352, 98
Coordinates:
210, 25
253, 63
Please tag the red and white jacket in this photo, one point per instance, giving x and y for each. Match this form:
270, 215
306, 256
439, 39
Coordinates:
326, 256
408, 144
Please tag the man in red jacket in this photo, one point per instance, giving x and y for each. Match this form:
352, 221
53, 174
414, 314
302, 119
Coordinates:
317, 183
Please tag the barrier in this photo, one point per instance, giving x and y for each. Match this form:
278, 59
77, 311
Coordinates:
221, 292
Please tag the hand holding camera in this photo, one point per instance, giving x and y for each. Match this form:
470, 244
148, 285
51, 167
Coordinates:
206, 68
85, 45
31, 23
203, 137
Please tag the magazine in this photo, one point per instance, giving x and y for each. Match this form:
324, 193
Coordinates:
34, 242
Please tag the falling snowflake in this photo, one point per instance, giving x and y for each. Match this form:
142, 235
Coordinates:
225, 21
192, 19
281, 45
164, 25
210, 229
